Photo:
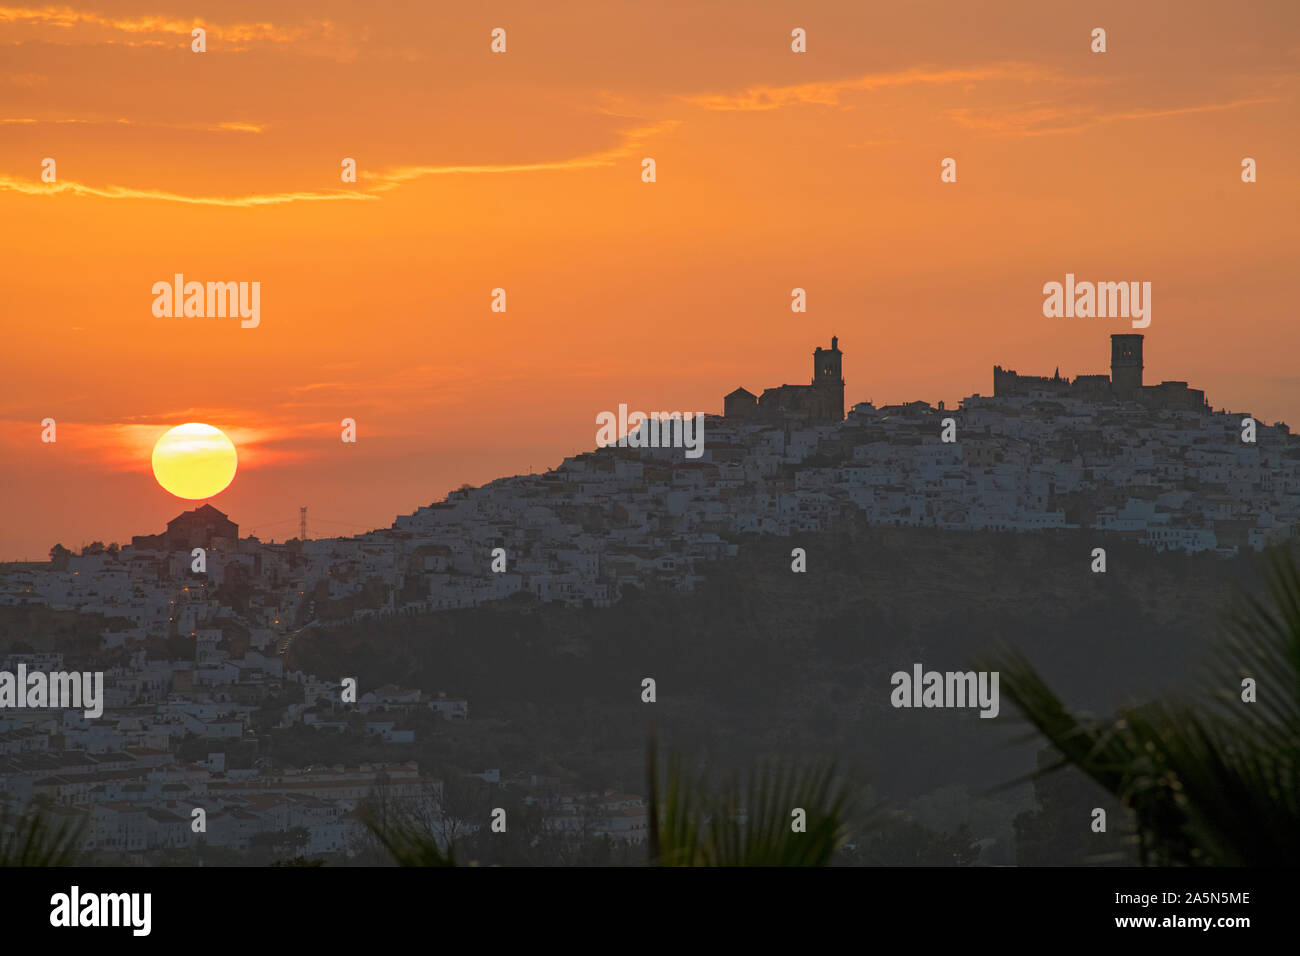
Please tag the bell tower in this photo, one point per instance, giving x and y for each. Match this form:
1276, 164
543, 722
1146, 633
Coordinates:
1126, 366
828, 379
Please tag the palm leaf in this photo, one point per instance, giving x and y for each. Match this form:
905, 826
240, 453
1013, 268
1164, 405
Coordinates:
746, 822
408, 843
1211, 780
33, 838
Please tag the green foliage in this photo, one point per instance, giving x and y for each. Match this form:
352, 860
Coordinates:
33, 838
745, 823
407, 842
1211, 780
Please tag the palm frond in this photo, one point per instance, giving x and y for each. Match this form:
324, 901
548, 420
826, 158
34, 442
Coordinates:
408, 843
1213, 779
35, 838
746, 822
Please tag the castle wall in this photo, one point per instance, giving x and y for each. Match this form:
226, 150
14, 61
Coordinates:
1123, 384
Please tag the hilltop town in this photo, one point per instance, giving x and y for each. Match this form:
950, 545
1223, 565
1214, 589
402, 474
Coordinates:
1154, 464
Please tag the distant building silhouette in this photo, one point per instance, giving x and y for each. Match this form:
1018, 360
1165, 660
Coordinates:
1124, 384
742, 403
200, 528
821, 401
1126, 366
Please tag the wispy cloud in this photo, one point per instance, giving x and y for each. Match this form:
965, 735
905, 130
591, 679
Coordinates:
34, 188
225, 127
631, 141
64, 24
831, 92
1039, 119
128, 446
372, 184
242, 127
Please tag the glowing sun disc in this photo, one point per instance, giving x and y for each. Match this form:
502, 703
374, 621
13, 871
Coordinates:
194, 461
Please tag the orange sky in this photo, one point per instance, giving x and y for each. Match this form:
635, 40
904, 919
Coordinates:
522, 171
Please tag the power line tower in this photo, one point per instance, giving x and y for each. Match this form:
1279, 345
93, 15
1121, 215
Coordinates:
302, 523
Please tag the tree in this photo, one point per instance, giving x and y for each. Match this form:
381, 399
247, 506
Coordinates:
59, 556
1212, 779
462, 802
900, 840
1050, 835
291, 840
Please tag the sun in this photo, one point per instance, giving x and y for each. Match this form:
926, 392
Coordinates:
194, 461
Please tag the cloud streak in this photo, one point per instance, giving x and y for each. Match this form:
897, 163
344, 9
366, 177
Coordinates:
128, 446
64, 24
33, 188
831, 92
1036, 119
233, 126
373, 184
632, 140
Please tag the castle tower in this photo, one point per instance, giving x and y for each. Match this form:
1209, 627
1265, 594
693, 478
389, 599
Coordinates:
828, 379
1126, 366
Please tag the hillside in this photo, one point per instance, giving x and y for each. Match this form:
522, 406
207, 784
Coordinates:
762, 661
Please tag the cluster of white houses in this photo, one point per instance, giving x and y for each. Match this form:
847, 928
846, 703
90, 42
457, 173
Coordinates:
1153, 463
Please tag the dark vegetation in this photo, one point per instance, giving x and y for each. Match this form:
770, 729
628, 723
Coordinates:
760, 662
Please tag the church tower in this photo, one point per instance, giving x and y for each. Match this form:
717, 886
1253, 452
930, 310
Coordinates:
1126, 366
828, 379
